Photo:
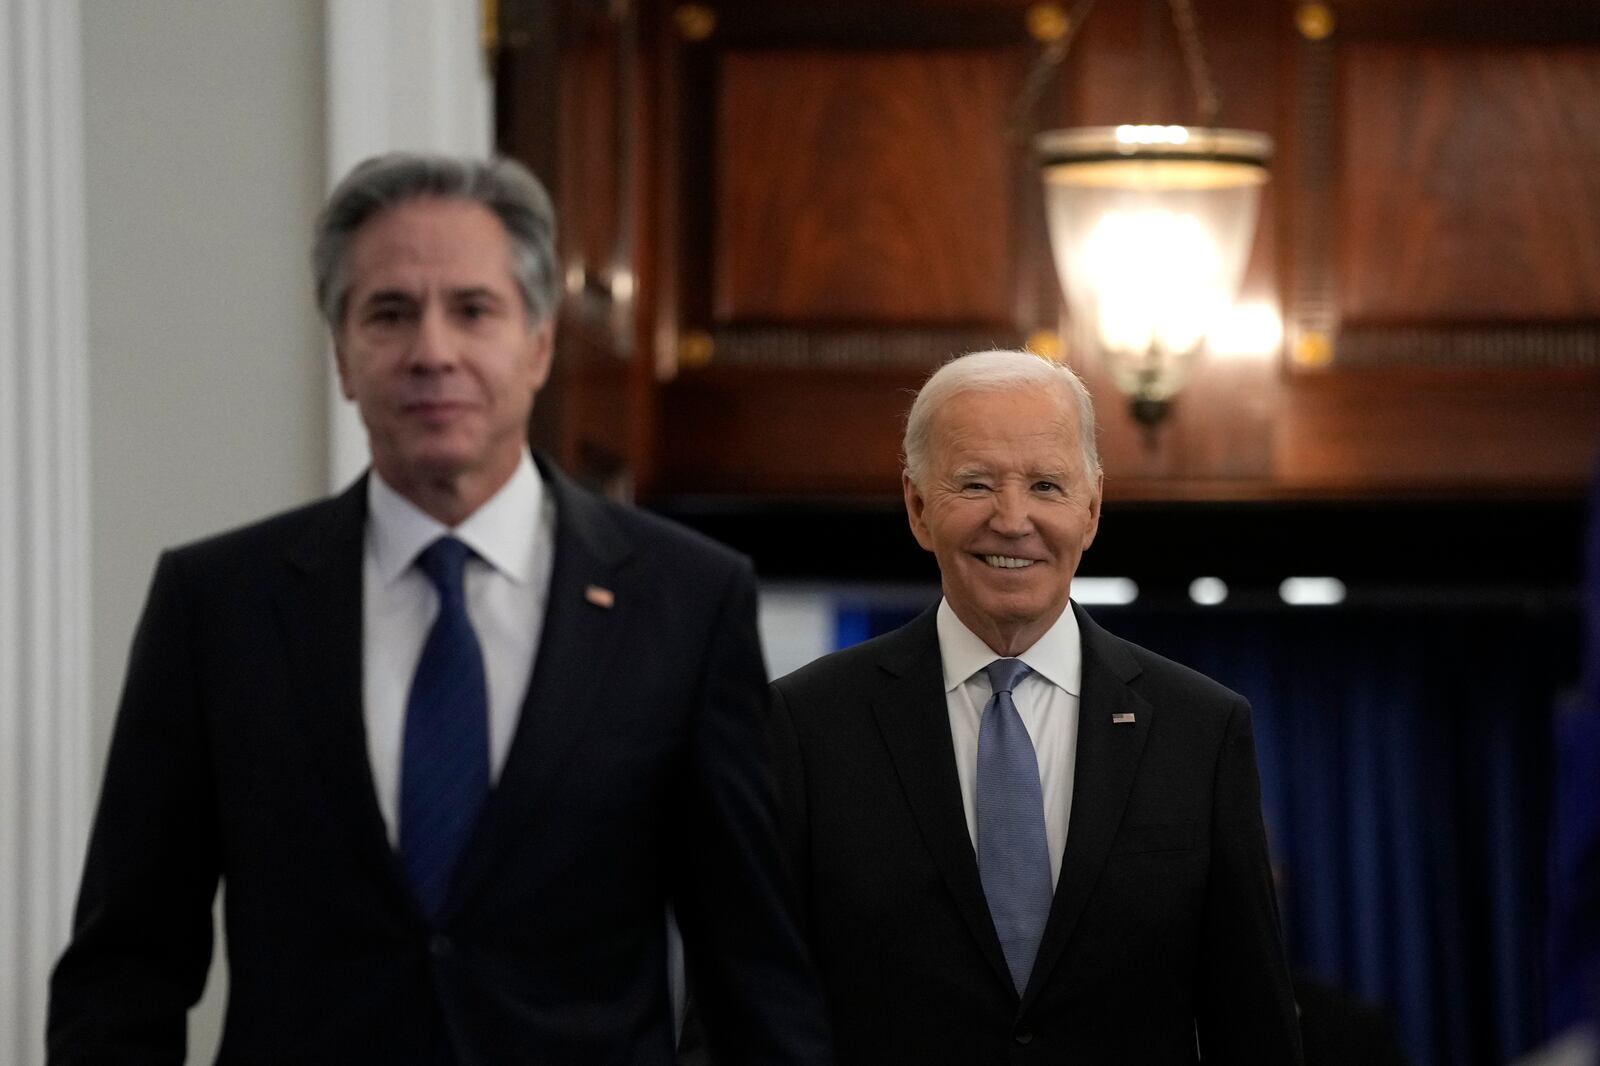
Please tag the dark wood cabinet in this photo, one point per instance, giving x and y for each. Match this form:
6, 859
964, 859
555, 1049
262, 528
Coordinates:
779, 215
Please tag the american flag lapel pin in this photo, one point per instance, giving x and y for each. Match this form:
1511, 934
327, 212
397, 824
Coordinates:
600, 597
1125, 718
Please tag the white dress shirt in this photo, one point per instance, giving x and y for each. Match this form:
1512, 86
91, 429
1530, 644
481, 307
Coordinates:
1047, 702
507, 583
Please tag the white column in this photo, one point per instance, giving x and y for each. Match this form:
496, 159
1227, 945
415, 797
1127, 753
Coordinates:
402, 74
44, 536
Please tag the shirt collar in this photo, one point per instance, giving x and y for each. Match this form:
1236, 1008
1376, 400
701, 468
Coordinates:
1057, 656
497, 532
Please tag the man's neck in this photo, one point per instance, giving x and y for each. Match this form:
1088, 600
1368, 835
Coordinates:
1008, 644
450, 500
1009, 641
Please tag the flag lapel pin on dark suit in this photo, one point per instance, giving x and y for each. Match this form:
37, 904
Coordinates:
600, 597
1122, 719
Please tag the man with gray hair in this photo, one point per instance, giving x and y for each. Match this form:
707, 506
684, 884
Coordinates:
453, 740
1018, 838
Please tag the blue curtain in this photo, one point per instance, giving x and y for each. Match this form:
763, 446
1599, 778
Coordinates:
1406, 762
1575, 892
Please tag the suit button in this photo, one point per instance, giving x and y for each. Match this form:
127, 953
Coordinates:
439, 946
1023, 1036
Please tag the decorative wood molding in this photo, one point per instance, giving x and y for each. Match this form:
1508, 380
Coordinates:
1375, 232
778, 322
843, 349
790, 262
1532, 347
1312, 319
694, 22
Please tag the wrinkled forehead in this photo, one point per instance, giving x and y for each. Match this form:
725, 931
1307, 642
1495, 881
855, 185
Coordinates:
1040, 418
429, 249
432, 231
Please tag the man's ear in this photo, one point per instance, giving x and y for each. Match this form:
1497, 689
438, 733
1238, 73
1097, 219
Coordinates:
1094, 511
341, 365
916, 511
542, 341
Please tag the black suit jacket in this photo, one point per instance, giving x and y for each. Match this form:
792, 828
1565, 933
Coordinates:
1163, 927
1340, 1030
638, 775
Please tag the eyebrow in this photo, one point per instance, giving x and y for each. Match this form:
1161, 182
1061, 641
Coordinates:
474, 292
967, 473
466, 292
383, 296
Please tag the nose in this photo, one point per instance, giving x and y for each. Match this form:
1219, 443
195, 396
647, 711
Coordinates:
1012, 515
432, 347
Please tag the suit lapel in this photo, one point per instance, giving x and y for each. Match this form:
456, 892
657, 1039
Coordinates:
912, 716
576, 646
319, 606
1107, 761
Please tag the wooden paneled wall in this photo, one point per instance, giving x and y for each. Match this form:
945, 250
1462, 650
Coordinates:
779, 215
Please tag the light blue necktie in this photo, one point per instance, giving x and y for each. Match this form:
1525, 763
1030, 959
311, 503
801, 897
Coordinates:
1013, 855
444, 765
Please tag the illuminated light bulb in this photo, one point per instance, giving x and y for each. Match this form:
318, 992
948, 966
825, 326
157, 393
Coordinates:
1311, 591
1151, 229
1108, 591
1248, 329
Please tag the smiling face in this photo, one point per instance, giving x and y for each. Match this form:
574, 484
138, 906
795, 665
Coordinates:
1007, 508
437, 350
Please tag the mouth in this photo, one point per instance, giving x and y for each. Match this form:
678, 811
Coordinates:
432, 408
1006, 562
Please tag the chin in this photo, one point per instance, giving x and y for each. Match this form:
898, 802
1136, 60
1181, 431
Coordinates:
1027, 612
436, 464
444, 449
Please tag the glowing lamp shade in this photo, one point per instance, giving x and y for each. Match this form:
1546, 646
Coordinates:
1151, 229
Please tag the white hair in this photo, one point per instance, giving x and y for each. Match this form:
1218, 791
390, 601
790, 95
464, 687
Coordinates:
995, 371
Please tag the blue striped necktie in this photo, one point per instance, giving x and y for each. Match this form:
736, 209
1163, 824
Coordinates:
444, 764
1013, 854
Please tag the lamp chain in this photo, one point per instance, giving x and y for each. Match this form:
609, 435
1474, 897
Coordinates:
1055, 52
1194, 57
1050, 57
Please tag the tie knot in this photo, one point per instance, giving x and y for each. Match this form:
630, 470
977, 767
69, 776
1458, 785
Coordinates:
445, 563
1004, 674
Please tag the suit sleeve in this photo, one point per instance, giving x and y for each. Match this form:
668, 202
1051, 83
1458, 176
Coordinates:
141, 941
752, 979
789, 773
1245, 1002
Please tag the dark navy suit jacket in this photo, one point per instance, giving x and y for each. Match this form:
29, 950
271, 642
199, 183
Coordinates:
1163, 932
638, 776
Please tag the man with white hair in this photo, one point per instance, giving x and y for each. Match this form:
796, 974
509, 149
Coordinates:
1017, 837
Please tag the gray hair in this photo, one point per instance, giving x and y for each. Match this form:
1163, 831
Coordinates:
504, 186
994, 371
